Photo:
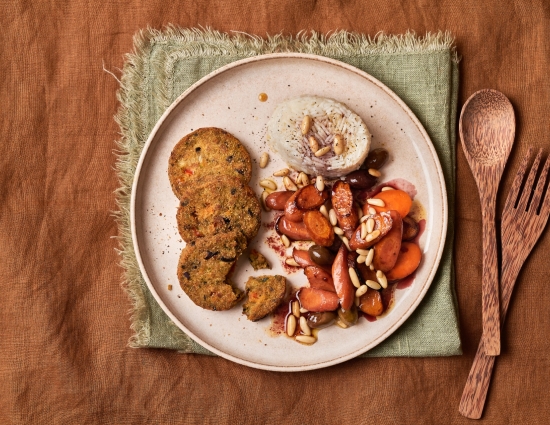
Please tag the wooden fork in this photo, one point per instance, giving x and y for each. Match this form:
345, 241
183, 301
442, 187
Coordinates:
522, 225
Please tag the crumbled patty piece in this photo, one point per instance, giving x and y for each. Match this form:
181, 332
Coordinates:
216, 206
207, 151
204, 269
265, 293
257, 260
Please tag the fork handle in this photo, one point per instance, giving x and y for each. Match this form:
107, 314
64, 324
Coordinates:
477, 385
489, 285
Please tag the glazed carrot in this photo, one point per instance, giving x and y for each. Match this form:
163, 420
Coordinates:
317, 300
371, 303
407, 261
319, 278
394, 200
387, 249
319, 228
342, 281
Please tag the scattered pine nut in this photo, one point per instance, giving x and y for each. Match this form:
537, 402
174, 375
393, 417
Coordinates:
263, 160
296, 308
282, 173
359, 212
361, 259
320, 183
372, 236
370, 225
322, 151
332, 217
268, 184
372, 284
354, 278
304, 326
323, 210
364, 230
303, 310
371, 267
265, 194
372, 211
338, 231
346, 242
357, 301
370, 256
374, 172
299, 185
303, 178
313, 144
289, 184
376, 202
386, 188
339, 144
382, 280
341, 324
306, 124
362, 251
361, 290
306, 339
291, 325
285, 240
291, 262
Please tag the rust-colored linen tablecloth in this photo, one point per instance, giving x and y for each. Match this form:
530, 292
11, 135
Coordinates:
64, 322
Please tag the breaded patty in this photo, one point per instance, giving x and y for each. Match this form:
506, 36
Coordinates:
211, 151
204, 269
265, 293
217, 206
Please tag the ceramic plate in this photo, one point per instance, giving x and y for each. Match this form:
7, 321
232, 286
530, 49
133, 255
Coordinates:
228, 99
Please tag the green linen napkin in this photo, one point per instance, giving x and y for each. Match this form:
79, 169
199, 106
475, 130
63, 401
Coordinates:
422, 71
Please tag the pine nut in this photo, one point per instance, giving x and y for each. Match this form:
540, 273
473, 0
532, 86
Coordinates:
374, 172
263, 160
304, 326
291, 325
320, 183
296, 309
303, 178
306, 339
338, 231
370, 256
270, 191
282, 173
323, 210
313, 144
361, 259
372, 236
285, 240
268, 184
265, 194
306, 124
361, 290
357, 302
341, 324
332, 217
289, 184
376, 202
291, 262
371, 267
299, 185
370, 225
372, 284
382, 280
386, 188
339, 144
372, 211
346, 242
303, 310
354, 278
322, 151
362, 251
363, 230
359, 212
364, 218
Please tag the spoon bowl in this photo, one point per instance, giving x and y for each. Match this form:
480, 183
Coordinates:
487, 129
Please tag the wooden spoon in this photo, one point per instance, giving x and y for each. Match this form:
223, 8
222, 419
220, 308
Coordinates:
487, 128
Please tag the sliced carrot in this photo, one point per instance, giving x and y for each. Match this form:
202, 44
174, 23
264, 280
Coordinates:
382, 222
319, 228
407, 261
371, 303
394, 200
309, 197
342, 282
319, 278
387, 249
317, 300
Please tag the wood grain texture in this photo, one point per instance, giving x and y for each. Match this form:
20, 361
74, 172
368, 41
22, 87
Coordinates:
487, 129
521, 228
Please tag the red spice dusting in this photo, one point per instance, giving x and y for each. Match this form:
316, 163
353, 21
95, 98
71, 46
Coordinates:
406, 282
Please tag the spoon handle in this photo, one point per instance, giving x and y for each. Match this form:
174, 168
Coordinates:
489, 286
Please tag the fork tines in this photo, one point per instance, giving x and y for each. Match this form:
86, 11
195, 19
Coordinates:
522, 203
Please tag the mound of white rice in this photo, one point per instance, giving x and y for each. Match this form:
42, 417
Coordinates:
329, 118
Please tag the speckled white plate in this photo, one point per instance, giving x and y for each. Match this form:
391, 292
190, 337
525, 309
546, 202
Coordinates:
228, 98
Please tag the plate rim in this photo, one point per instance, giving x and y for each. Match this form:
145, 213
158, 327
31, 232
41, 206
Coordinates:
439, 172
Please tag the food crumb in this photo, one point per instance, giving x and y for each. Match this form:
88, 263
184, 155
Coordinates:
169, 287
258, 261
